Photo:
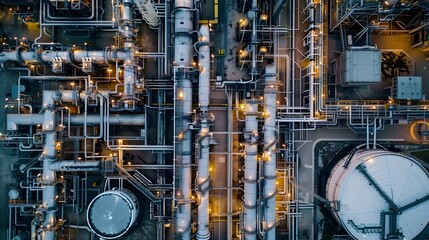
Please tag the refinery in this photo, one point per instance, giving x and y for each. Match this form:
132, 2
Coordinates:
214, 119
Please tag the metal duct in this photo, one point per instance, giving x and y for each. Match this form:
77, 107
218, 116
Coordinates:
270, 102
203, 178
250, 170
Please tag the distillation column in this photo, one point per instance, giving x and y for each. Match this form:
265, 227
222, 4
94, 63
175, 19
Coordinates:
49, 188
127, 30
203, 163
250, 170
183, 26
270, 101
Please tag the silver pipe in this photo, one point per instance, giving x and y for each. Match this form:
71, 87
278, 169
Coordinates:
250, 172
270, 102
71, 165
15, 120
49, 192
183, 26
230, 165
203, 178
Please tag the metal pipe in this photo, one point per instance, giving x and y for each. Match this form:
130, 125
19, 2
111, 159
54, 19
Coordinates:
270, 102
15, 120
48, 181
183, 26
71, 165
251, 137
203, 178
230, 165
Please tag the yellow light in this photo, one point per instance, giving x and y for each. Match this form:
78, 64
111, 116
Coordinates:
211, 169
180, 94
180, 136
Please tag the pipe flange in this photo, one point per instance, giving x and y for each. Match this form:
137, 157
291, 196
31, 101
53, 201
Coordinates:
71, 56
203, 237
271, 196
248, 232
18, 51
270, 227
270, 177
199, 186
38, 54
251, 153
249, 180
249, 206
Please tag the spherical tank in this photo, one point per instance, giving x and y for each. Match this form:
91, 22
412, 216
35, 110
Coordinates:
376, 194
112, 213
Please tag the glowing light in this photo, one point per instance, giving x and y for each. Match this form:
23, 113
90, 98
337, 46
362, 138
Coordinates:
180, 136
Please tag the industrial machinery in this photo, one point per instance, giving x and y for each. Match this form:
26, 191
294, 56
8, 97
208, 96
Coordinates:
214, 119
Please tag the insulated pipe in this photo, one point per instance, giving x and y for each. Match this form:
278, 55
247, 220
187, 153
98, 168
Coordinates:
14, 120
183, 156
183, 26
254, 38
48, 181
204, 67
250, 170
311, 97
203, 181
70, 165
99, 57
127, 30
269, 193
203, 232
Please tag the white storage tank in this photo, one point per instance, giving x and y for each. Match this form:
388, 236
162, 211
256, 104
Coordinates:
377, 194
360, 66
111, 214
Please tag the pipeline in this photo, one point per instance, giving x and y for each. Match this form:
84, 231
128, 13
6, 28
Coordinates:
183, 26
250, 171
15, 120
49, 203
203, 178
270, 102
128, 31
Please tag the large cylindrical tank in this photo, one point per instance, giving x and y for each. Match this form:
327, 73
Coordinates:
112, 213
379, 195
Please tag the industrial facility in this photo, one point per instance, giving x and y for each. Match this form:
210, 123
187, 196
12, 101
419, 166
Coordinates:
214, 119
